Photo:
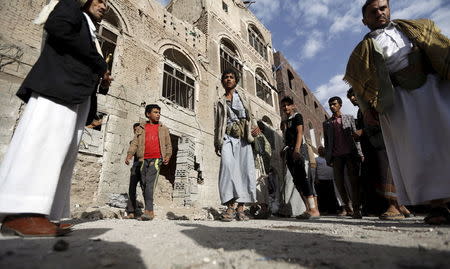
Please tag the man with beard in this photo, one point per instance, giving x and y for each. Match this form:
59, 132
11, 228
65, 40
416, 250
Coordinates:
342, 151
402, 70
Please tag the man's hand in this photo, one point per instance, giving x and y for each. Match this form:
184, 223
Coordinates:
256, 131
218, 150
358, 133
106, 80
166, 161
127, 160
296, 154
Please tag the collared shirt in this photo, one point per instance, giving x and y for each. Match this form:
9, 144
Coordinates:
91, 25
340, 142
92, 30
395, 46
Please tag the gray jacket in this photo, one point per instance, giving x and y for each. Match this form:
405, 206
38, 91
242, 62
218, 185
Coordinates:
220, 120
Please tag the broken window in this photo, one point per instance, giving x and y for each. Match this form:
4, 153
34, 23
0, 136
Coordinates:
178, 81
107, 32
305, 96
256, 40
263, 89
229, 59
224, 7
290, 78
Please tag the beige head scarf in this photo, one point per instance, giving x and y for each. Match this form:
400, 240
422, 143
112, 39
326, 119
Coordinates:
45, 12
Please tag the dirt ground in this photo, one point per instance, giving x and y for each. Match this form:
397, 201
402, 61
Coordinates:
329, 242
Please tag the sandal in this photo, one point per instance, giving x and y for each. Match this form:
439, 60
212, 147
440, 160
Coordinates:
438, 216
307, 215
240, 216
388, 215
406, 212
129, 216
228, 215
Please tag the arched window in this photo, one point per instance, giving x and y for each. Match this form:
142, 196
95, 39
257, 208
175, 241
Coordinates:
263, 88
229, 58
257, 41
178, 79
107, 33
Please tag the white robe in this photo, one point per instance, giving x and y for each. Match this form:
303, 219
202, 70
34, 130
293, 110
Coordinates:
35, 175
416, 129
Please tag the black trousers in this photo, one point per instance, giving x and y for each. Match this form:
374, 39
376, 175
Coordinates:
135, 178
352, 162
303, 184
326, 196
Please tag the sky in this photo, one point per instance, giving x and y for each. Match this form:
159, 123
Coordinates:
318, 36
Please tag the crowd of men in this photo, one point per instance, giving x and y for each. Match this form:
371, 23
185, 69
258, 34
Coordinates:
399, 76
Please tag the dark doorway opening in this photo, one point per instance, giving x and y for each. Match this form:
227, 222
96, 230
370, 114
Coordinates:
168, 171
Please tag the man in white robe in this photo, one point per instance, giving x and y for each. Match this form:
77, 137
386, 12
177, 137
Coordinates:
401, 68
35, 175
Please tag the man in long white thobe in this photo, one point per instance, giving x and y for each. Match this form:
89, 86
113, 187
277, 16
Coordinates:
401, 68
35, 175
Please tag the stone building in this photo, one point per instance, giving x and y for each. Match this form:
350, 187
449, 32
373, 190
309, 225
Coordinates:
289, 83
172, 56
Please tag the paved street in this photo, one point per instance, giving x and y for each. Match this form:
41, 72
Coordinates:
276, 243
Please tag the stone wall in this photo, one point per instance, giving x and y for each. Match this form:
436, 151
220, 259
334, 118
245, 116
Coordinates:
310, 108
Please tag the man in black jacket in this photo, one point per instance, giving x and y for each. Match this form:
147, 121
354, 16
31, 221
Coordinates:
341, 151
35, 175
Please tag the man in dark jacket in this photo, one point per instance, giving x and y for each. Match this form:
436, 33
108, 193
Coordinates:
35, 175
341, 150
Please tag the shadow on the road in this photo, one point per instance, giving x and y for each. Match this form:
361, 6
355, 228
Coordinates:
294, 246
406, 223
83, 251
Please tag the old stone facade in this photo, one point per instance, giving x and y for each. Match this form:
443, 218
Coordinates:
170, 56
289, 83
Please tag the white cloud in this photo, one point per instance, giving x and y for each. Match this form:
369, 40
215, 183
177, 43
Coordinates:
289, 41
413, 9
313, 45
266, 10
308, 12
348, 22
335, 87
441, 17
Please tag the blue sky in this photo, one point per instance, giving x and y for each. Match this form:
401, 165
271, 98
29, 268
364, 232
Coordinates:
317, 36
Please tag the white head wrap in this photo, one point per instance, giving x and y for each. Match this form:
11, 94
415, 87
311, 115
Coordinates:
45, 12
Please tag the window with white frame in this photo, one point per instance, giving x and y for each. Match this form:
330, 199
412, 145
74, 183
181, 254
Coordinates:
178, 79
229, 59
263, 89
256, 40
